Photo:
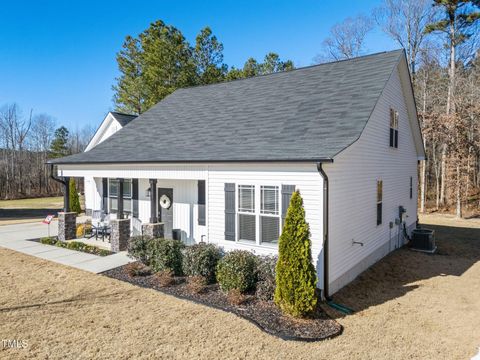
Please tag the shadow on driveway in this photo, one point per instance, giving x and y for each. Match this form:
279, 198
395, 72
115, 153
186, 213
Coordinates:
20, 214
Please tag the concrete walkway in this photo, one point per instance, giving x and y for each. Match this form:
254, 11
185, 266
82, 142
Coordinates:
14, 237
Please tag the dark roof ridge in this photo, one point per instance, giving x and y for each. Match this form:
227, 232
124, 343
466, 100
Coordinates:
293, 70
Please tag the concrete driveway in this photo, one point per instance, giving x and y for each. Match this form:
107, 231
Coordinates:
15, 237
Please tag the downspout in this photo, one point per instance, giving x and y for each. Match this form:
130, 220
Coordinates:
326, 275
325, 232
65, 181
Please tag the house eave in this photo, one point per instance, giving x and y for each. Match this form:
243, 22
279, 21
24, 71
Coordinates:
216, 161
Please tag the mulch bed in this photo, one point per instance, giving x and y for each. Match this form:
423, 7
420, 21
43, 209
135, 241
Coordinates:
263, 314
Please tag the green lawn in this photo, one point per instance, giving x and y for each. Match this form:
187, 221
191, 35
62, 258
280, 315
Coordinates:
37, 203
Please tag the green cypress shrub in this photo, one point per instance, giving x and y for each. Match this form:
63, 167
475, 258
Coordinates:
295, 274
74, 199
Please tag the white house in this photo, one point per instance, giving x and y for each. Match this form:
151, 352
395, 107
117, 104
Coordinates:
218, 163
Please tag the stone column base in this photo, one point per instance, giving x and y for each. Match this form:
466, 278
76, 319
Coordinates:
120, 234
155, 230
67, 225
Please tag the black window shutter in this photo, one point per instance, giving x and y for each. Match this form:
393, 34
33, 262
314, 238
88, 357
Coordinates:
135, 198
287, 191
396, 138
229, 211
391, 137
105, 194
201, 202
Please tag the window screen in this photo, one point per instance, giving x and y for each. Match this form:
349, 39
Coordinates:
246, 210
270, 214
269, 200
246, 198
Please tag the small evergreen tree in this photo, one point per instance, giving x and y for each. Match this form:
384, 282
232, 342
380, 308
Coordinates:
74, 199
295, 274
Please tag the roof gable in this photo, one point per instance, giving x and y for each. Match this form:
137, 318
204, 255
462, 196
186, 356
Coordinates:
308, 114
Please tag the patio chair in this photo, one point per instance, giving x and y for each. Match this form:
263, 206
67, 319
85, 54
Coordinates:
102, 229
97, 218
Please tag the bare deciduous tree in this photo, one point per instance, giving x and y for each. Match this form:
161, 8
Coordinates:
346, 40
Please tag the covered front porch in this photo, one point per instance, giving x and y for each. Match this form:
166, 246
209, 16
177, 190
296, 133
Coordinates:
131, 205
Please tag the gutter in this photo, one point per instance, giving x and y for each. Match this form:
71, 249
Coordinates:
65, 182
325, 232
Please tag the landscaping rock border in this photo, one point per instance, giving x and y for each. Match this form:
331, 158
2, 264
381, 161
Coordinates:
263, 314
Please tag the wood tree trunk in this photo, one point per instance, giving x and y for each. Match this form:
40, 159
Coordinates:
444, 177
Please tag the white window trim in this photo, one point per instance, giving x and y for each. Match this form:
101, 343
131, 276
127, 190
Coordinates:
257, 212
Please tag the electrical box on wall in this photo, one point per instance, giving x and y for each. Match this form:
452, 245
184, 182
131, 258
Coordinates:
401, 213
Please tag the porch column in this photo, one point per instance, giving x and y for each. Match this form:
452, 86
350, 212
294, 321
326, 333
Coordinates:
67, 226
66, 194
120, 198
120, 234
153, 201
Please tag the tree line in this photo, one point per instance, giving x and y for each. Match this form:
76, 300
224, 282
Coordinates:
26, 143
160, 60
441, 41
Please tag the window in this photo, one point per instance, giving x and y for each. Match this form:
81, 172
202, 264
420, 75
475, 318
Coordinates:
269, 214
246, 213
393, 128
114, 191
379, 201
201, 202
411, 187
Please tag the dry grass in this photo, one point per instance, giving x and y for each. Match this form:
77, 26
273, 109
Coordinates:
410, 305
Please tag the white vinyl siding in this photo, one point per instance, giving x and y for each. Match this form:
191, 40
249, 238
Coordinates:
353, 189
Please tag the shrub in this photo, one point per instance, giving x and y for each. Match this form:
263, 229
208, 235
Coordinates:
235, 297
165, 254
137, 248
201, 260
237, 270
74, 199
196, 284
138, 269
266, 277
165, 278
48, 241
295, 274
80, 246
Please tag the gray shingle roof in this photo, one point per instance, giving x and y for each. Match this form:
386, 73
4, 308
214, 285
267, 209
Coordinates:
123, 119
310, 113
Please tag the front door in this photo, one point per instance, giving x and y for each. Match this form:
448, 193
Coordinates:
165, 210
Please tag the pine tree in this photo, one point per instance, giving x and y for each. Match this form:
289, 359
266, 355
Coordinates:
296, 278
59, 145
208, 57
74, 199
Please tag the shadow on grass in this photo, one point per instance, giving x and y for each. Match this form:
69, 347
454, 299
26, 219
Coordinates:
77, 298
19, 214
397, 274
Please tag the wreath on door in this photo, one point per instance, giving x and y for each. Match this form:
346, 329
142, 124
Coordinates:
165, 202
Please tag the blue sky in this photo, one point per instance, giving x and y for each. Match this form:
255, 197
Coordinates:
58, 57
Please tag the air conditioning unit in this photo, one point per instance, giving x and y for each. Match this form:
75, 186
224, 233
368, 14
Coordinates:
423, 240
